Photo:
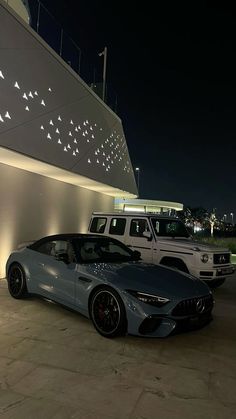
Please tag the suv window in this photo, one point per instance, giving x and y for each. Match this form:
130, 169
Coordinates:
169, 228
138, 226
98, 225
117, 226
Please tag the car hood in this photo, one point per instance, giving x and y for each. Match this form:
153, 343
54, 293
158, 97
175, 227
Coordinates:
153, 279
189, 244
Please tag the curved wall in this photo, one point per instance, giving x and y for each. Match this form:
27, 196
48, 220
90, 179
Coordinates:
33, 206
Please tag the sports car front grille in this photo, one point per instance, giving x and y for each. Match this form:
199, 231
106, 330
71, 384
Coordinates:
193, 306
221, 258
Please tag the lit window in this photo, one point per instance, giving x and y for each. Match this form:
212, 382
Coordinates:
7, 115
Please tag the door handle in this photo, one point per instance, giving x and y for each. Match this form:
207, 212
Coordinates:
84, 279
41, 264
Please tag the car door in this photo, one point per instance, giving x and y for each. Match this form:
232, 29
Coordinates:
40, 279
136, 240
56, 271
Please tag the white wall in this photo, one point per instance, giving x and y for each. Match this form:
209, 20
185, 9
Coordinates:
48, 113
33, 206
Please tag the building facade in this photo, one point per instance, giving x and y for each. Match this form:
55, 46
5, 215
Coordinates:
147, 205
63, 153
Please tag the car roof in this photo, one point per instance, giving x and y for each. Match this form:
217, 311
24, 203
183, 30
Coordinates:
65, 236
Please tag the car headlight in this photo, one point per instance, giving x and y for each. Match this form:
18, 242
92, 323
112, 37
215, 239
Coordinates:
153, 300
204, 258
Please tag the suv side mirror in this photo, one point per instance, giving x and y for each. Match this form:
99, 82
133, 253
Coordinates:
148, 235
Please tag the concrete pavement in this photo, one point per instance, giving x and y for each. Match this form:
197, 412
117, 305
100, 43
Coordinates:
54, 365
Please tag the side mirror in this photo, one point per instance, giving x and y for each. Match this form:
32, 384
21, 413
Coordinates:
148, 235
136, 255
63, 257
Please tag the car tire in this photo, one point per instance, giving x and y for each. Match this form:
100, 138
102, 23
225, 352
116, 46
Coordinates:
17, 281
107, 312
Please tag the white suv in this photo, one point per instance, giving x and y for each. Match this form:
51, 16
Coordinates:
165, 240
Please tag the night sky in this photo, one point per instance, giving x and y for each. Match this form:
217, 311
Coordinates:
173, 68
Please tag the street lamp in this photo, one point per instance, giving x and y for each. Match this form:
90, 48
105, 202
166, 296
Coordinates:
138, 172
225, 215
104, 53
232, 215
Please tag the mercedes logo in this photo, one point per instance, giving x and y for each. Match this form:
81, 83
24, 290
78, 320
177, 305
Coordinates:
222, 259
200, 305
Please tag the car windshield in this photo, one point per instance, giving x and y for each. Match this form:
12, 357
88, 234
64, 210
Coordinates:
169, 228
101, 250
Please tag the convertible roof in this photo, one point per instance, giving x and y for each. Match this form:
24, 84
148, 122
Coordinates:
65, 236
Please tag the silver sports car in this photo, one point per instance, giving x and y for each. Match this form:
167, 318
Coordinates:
104, 280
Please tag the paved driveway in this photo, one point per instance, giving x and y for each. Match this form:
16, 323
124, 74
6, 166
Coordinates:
53, 365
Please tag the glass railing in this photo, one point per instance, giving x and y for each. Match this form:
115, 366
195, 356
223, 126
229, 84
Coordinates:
88, 66
44, 23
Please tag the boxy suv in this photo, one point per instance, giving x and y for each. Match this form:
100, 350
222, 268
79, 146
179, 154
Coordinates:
165, 240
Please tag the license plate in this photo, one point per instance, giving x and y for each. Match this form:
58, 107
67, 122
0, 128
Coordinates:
225, 271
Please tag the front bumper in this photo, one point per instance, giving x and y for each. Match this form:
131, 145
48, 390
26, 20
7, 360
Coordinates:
160, 326
215, 272
187, 314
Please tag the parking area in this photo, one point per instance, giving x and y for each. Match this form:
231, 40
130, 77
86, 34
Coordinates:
54, 365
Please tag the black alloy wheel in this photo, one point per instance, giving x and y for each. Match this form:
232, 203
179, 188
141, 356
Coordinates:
16, 281
107, 312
